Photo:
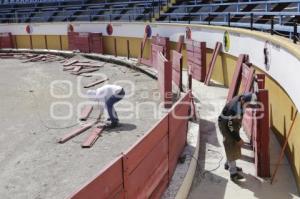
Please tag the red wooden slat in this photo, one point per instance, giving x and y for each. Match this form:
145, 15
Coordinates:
263, 128
250, 79
155, 51
177, 69
180, 43
233, 88
165, 80
160, 189
86, 112
213, 62
92, 138
75, 133
147, 175
96, 83
139, 150
108, 184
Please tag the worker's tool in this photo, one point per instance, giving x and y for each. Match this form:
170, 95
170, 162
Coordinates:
283, 148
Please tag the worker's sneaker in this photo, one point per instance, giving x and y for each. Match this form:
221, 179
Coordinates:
226, 167
237, 177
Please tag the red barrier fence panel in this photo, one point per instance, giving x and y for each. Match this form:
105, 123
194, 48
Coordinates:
146, 163
247, 78
213, 62
164, 42
107, 185
155, 51
178, 126
177, 69
235, 83
85, 42
261, 80
159, 44
199, 60
196, 56
6, 40
263, 135
96, 43
248, 121
164, 70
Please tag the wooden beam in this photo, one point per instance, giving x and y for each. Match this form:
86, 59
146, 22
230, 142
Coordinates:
92, 138
95, 83
75, 133
213, 62
87, 110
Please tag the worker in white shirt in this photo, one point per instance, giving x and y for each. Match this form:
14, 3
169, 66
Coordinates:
108, 95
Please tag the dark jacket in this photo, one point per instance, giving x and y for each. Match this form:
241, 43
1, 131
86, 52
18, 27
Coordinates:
230, 123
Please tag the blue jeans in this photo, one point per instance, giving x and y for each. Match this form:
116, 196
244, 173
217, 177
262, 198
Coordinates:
110, 106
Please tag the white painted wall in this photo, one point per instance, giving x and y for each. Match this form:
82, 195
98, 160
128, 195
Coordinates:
284, 67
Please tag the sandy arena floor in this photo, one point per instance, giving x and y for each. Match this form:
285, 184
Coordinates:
32, 164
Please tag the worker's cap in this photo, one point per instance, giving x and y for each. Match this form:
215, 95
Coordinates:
91, 94
250, 98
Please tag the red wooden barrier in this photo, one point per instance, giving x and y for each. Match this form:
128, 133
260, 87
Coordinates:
196, 56
213, 62
145, 170
247, 78
96, 43
107, 184
262, 136
260, 78
6, 40
85, 42
233, 88
155, 51
164, 69
177, 69
178, 125
146, 163
160, 44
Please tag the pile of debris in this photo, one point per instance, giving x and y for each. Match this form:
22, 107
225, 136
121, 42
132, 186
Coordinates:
29, 57
81, 68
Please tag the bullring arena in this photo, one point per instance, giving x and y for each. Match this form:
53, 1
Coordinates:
180, 63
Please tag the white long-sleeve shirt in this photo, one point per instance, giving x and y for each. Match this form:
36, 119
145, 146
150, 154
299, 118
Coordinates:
103, 93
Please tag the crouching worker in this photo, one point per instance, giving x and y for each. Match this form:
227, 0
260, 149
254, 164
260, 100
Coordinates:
108, 95
230, 122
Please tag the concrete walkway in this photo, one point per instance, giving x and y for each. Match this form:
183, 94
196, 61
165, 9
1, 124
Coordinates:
211, 180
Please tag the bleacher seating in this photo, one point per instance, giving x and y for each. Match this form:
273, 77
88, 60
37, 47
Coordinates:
282, 15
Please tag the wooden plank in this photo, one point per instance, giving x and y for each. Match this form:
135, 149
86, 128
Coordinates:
180, 43
92, 138
96, 83
86, 112
92, 65
213, 62
234, 86
75, 133
77, 68
70, 62
84, 71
